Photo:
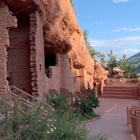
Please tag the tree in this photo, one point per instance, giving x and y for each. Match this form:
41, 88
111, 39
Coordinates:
129, 71
111, 63
102, 60
123, 63
73, 6
92, 51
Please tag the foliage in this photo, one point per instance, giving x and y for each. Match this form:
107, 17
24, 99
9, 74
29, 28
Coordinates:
73, 6
67, 129
135, 61
85, 107
102, 60
92, 51
59, 102
123, 63
34, 125
129, 71
111, 63
93, 100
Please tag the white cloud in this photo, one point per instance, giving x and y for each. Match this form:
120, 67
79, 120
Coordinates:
137, 29
127, 45
129, 51
99, 22
117, 1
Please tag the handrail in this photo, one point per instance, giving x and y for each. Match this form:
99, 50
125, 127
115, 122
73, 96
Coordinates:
135, 121
134, 116
31, 96
13, 107
29, 104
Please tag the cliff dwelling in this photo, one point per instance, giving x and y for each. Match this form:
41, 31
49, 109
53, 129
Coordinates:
43, 51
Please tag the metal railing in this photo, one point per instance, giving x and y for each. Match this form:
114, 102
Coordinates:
30, 101
133, 118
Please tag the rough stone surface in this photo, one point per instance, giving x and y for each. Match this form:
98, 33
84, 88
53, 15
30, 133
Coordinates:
48, 53
22, 8
6, 21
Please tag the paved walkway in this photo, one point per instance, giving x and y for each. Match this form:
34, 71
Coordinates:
113, 120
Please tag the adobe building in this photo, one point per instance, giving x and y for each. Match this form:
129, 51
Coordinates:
42, 48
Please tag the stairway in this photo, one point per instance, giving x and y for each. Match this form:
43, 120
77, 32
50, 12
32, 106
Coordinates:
28, 101
124, 91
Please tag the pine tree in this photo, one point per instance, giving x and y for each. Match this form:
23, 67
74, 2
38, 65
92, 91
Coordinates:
112, 62
129, 71
92, 51
102, 60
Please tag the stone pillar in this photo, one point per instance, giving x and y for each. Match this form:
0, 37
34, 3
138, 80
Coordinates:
37, 58
6, 21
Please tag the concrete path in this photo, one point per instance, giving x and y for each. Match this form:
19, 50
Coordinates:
114, 119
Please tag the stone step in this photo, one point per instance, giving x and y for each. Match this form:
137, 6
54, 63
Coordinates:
110, 90
123, 85
120, 93
119, 96
120, 88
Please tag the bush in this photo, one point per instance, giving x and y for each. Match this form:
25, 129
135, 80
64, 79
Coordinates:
59, 102
85, 107
93, 101
34, 125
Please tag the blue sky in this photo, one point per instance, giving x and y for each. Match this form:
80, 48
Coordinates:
112, 24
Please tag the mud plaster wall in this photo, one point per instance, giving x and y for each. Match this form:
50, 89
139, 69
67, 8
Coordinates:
19, 57
6, 20
67, 74
54, 81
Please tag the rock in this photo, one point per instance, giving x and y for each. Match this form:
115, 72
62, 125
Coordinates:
22, 8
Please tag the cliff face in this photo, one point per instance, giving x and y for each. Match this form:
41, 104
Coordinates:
49, 43
61, 30
22, 8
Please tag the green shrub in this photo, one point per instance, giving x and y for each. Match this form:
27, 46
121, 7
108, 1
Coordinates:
59, 102
34, 125
85, 107
93, 101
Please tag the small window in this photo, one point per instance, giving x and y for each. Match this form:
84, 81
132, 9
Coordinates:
50, 60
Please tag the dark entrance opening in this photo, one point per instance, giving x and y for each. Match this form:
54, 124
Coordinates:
50, 60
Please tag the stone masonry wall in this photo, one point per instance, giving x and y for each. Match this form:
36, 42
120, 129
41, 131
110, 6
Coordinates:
33, 53
53, 83
6, 21
19, 57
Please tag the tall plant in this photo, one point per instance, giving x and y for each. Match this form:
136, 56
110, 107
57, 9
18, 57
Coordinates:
129, 71
112, 62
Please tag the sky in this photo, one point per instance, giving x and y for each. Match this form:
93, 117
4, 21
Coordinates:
111, 24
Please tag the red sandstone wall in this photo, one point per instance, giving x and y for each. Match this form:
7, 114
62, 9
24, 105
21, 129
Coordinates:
58, 24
